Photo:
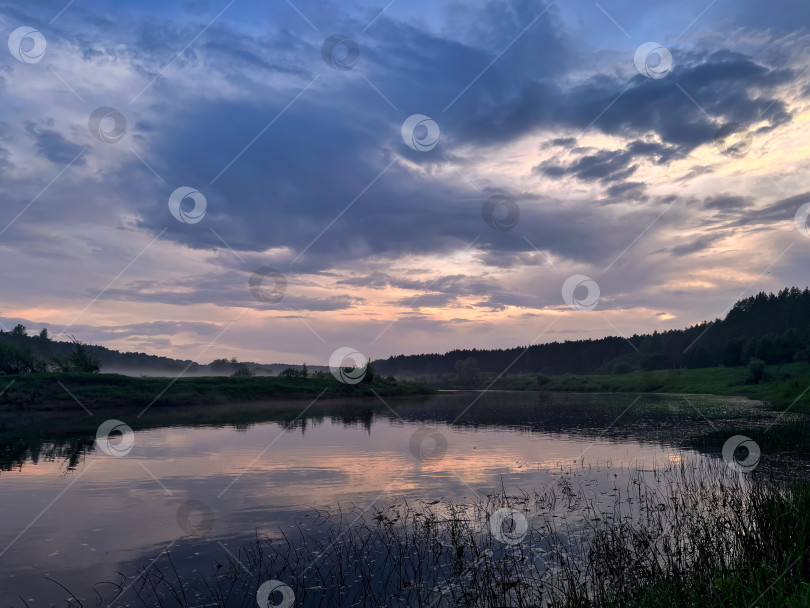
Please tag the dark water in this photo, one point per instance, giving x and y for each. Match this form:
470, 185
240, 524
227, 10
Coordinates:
202, 482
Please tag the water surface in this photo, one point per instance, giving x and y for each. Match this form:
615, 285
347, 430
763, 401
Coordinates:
76, 515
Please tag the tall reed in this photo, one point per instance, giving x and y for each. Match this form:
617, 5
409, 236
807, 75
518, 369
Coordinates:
677, 535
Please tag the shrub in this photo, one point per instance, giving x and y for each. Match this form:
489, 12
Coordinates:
655, 362
80, 359
651, 382
756, 371
19, 360
622, 368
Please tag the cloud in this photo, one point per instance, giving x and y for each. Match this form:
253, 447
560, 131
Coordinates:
727, 202
609, 166
223, 289
337, 138
695, 245
304, 168
53, 146
431, 300
781, 211
627, 190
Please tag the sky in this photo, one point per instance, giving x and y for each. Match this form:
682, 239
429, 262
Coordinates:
274, 181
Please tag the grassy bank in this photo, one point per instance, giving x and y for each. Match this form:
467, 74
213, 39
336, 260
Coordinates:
782, 384
58, 391
783, 387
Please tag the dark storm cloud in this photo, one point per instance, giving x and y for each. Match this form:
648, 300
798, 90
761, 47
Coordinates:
430, 300
336, 153
459, 283
376, 280
158, 328
780, 211
609, 166
503, 298
696, 172
223, 291
270, 198
627, 190
53, 146
727, 202
694, 245
728, 86
564, 142
511, 259
340, 135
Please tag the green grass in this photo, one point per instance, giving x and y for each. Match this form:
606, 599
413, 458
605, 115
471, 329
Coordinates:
47, 391
786, 388
787, 383
769, 561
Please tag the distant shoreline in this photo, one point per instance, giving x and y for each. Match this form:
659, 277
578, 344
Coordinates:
779, 385
72, 391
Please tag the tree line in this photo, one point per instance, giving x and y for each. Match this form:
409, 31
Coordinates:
21, 353
773, 328
766, 327
24, 353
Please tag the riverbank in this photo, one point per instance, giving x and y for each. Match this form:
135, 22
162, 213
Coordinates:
783, 388
67, 391
781, 385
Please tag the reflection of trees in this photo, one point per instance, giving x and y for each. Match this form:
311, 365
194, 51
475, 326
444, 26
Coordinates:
49, 437
351, 416
346, 413
659, 419
19, 450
